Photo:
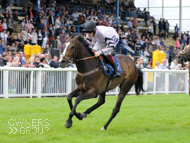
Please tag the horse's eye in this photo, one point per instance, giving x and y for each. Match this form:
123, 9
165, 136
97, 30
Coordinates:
72, 47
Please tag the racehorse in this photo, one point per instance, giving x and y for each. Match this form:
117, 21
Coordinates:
184, 56
92, 81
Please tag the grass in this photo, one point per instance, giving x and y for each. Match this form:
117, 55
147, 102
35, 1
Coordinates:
142, 119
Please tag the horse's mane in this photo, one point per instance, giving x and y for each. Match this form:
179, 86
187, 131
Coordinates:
84, 43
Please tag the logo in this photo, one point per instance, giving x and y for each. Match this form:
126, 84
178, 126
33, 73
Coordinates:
24, 126
115, 40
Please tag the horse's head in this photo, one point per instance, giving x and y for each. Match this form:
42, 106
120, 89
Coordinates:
183, 55
69, 49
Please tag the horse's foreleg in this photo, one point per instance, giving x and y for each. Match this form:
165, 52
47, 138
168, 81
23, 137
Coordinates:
89, 94
75, 93
100, 102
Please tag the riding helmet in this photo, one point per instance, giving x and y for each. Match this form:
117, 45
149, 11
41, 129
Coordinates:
89, 26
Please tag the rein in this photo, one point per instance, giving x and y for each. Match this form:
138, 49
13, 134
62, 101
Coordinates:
82, 59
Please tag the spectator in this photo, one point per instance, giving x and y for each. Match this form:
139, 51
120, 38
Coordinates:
1, 28
15, 16
23, 24
1, 17
129, 24
51, 19
163, 65
167, 26
9, 61
62, 37
34, 37
20, 42
44, 63
39, 34
29, 25
148, 23
46, 50
135, 22
160, 25
176, 28
9, 8
145, 34
50, 35
69, 22
54, 62
177, 44
68, 31
4, 59
41, 25
154, 25
187, 35
25, 9
36, 63
146, 53
174, 65
4, 25
157, 65
26, 19
4, 35
45, 35
24, 35
15, 62
146, 44
137, 62
75, 17
29, 37
48, 59
141, 64
141, 40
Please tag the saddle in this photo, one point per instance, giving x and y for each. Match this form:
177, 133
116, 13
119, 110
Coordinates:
107, 66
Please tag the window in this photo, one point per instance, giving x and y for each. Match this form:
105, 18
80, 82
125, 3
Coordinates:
140, 3
170, 3
156, 12
173, 23
155, 3
185, 13
185, 2
171, 13
185, 25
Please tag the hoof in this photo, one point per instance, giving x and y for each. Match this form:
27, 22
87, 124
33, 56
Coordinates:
79, 116
84, 115
68, 124
102, 129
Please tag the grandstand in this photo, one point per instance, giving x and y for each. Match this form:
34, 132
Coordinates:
127, 11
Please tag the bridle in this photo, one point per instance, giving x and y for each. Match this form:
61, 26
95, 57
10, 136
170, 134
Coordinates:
75, 52
82, 59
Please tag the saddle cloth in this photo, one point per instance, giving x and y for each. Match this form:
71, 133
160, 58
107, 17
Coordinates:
108, 69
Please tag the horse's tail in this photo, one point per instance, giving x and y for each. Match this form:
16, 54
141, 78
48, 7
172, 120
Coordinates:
139, 82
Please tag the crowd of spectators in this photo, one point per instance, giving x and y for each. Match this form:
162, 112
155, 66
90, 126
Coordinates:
54, 22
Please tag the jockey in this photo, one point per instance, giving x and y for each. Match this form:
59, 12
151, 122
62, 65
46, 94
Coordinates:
106, 39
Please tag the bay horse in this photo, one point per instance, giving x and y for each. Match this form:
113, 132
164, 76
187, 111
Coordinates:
92, 81
184, 56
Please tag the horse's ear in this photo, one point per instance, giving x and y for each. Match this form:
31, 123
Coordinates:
77, 37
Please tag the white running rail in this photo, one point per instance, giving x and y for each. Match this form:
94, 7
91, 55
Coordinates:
39, 82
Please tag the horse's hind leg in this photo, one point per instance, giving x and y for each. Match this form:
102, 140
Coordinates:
125, 87
100, 102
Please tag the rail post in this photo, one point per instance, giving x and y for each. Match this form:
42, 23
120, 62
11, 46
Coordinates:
5, 83
69, 82
38, 83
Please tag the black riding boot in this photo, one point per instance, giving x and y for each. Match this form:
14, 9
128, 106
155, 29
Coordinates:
117, 73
